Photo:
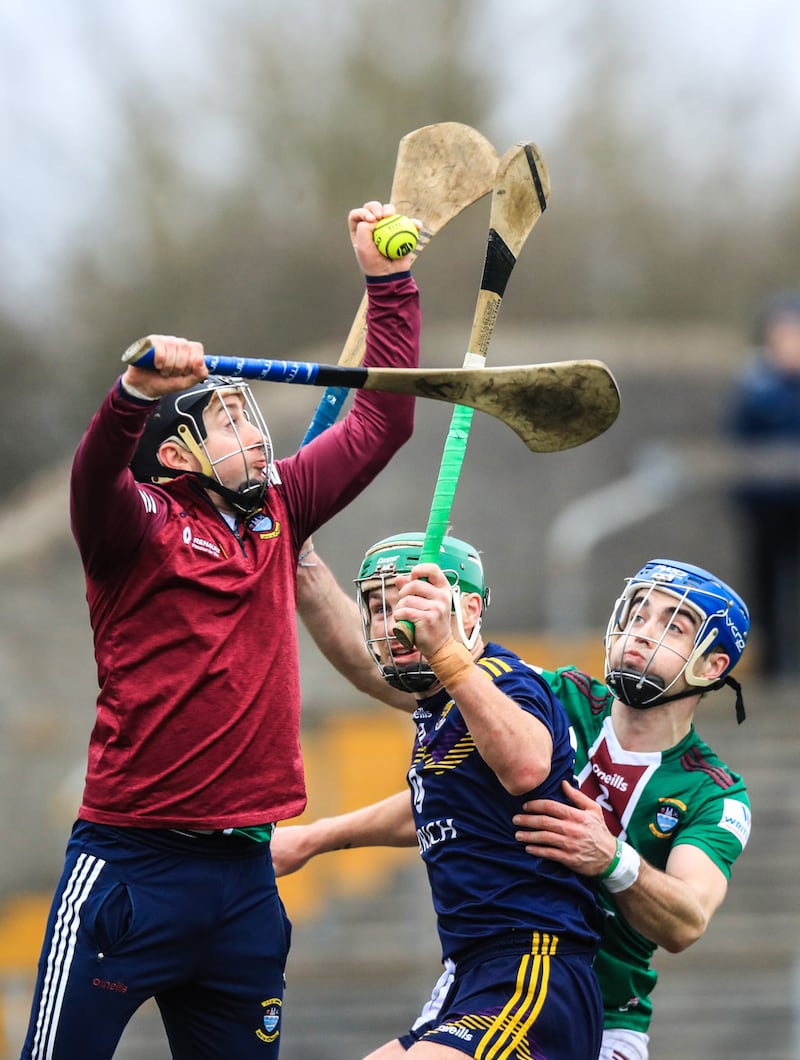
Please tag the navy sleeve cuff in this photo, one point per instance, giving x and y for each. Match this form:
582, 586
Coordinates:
134, 399
388, 279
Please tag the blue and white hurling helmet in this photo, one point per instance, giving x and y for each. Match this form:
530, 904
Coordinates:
724, 626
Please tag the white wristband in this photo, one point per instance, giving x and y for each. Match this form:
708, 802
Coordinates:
304, 556
626, 871
134, 392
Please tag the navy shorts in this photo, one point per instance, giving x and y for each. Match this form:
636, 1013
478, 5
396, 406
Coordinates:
529, 1006
194, 922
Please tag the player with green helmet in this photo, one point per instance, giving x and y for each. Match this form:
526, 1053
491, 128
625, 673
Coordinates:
656, 817
463, 568
518, 935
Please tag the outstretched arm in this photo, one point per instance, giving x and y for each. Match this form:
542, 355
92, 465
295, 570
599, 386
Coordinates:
331, 617
388, 823
672, 908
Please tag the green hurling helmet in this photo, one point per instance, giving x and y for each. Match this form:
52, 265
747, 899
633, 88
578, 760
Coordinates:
460, 563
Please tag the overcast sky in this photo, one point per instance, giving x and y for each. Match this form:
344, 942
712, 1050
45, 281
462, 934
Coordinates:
59, 133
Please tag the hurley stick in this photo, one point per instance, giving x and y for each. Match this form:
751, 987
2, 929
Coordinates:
520, 195
440, 170
549, 406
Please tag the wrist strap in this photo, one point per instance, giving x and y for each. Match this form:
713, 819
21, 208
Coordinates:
304, 556
623, 871
451, 664
614, 861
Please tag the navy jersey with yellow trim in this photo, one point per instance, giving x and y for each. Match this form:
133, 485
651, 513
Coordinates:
482, 881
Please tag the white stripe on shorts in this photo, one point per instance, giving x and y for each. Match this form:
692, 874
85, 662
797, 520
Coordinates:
433, 1007
62, 949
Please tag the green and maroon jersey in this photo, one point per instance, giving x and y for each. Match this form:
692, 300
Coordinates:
653, 800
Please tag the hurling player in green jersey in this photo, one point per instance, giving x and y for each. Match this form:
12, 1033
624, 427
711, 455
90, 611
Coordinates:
657, 817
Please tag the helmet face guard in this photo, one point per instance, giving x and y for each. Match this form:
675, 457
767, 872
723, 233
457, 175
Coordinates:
461, 565
179, 418
723, 625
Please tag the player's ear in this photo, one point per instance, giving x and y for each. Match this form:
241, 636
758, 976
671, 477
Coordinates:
176, 456
471, 608
713, 665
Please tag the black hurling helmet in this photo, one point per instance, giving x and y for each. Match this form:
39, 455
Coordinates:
460, 564
180, 417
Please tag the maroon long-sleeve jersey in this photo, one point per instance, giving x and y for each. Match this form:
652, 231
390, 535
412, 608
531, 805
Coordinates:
195, 636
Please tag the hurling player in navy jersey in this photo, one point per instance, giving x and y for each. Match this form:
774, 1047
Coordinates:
518, 933
657, 817
190, 532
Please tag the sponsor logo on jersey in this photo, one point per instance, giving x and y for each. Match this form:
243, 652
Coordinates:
420, 714
271, 1020
610, 780
435, 832
201, 544
736, 819
669, 814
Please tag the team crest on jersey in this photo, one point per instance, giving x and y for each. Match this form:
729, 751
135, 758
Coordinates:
669, 815
271, 1020
264, 525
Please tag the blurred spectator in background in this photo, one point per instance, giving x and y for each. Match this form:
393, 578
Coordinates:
764, 415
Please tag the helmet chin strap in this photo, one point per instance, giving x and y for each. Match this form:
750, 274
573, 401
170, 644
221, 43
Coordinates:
471, 639
420, 678
247, 500
414, 680
737, 688
634, 689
